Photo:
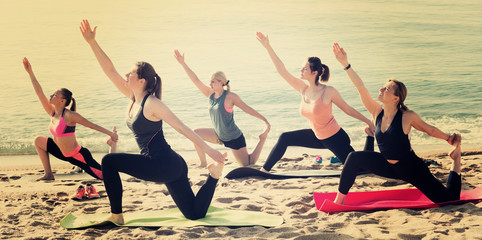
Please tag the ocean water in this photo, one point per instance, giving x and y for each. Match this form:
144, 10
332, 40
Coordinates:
432, 46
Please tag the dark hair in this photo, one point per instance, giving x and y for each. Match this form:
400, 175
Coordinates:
401, 92
153, 81
323, 70
68, 98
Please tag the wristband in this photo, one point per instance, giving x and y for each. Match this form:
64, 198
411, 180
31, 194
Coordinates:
347, 67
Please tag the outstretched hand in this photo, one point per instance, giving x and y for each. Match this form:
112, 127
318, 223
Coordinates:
113, 136
370, 129
340, 54
217, 156
454, 139
87, 32
263, 39
26, 65
179, 57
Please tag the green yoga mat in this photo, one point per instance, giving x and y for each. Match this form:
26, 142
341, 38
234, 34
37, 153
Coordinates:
173, 217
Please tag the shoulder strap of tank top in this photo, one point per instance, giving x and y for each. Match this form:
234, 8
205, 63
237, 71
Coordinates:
323, 93
144, 100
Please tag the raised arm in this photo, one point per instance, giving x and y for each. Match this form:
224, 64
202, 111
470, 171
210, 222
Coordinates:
349, 110
370, 104
207, 91
296, 83
38, 89
160, 111
104, 61
238, 102
75, 117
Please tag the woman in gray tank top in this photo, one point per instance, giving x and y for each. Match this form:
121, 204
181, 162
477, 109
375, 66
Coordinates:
225, 130
157, 162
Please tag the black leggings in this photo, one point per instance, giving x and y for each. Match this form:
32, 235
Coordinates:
82, 159
339, 144
168, 168
413, 171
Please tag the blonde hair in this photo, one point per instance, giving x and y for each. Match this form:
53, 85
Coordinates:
220, 76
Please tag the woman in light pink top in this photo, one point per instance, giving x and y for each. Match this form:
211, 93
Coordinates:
316, 106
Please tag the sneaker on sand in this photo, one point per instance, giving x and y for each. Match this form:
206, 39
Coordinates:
91, 192
79, 193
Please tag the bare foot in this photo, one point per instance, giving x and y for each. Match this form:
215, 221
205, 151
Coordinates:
46, 177
264, 135
118, 219
456, 152
368, 132
264, 170
216, 169
340, 198
203, 164
112, 143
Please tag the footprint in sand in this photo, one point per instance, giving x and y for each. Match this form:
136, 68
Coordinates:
288, 235
252, 207
165, 232
38, 223
368, 221
391, 183
195, 230
62, 194
190, 236
132, 179
66, 184
224, 200
411, 236
336, 225
200, 183
91, 209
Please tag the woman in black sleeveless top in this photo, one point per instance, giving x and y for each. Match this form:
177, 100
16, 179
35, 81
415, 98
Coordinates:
157, 161
397, 160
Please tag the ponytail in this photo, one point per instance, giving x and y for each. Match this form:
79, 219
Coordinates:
401, 92
323, 72
325, 75
220, 76
153, 81
68, 98
157, 90
73, 107
228, 88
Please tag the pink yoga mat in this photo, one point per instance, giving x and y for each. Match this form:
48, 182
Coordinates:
388, 199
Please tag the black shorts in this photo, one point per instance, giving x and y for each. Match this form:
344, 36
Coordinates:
236, 144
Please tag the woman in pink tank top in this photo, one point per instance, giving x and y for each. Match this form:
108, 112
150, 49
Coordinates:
63, 143
316, 104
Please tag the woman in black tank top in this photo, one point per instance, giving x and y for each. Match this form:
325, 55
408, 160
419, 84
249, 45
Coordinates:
396, 158
157, 161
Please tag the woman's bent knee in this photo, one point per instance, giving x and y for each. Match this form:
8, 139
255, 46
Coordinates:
108, 160
41, 142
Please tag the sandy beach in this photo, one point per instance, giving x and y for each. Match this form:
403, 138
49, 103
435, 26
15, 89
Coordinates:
33, 210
